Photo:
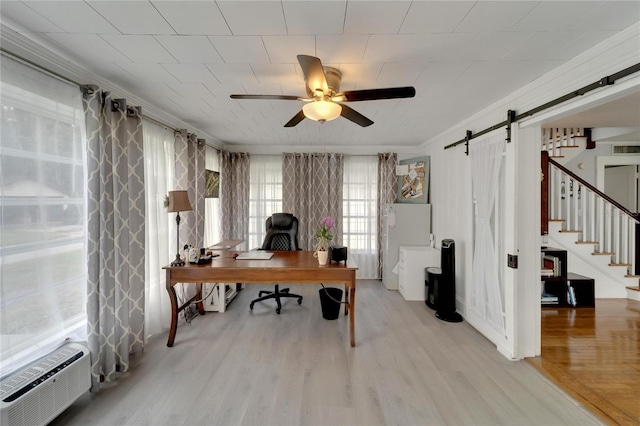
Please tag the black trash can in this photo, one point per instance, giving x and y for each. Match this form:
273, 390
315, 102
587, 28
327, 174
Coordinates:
330, 298
432, 277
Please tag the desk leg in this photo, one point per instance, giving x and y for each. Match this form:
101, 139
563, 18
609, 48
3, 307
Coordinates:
352, 315
346, 299
174, 313
200, 304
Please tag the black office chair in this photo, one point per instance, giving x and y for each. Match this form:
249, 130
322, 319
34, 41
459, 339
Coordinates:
282, 235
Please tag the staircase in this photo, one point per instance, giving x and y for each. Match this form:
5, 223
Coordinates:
601, 236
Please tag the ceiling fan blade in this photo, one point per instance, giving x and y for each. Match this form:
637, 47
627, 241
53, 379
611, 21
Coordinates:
296, 119
272, 97
313, 74
353, 115
374, 94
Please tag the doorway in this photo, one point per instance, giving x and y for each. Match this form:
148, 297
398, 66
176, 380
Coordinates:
621, 184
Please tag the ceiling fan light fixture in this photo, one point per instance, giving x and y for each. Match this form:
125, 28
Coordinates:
322, 110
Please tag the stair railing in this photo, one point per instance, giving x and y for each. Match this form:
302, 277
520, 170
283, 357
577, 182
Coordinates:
598, 218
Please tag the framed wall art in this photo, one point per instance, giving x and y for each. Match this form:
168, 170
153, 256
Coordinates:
413, 180
212, 184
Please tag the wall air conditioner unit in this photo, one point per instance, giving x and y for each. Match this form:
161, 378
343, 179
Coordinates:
626, 149
37, 393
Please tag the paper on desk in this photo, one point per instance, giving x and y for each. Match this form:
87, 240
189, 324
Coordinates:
255, 255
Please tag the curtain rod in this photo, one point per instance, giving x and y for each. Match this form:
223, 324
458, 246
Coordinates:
605, 81
67, 80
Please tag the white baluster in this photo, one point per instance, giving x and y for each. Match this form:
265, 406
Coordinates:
615, 234
601, 218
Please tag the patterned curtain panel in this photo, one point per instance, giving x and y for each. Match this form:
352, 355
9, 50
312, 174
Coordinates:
197, 190
116, 256
234, 195
311, 190
387, 193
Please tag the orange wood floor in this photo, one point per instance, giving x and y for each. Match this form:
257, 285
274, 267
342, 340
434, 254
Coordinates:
594, 355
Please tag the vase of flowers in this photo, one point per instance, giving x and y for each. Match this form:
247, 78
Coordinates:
323, 239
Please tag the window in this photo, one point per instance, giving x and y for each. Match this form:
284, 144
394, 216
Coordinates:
211, 205
43, 214
265, 194
359, 222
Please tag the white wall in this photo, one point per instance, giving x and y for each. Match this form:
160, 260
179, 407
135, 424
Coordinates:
451, 181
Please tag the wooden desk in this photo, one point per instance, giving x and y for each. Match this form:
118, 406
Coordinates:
285, 267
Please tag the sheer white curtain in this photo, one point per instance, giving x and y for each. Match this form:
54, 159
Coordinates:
265, 194
43, 218
160, 242
359, 213
486, 300
211, 205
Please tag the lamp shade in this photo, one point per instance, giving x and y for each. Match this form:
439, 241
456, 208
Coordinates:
179, 201
322, 110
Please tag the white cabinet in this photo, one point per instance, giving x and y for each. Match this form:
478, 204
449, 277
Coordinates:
413, 260
402, 225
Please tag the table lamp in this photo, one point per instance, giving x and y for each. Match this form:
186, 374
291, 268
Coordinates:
178, 202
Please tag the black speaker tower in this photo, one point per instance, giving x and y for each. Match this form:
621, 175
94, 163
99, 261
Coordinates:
446, 305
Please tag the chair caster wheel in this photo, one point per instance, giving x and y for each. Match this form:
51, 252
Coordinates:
299, 301
278, 311
251, 306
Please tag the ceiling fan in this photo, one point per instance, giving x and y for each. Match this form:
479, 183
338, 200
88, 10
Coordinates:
324, 99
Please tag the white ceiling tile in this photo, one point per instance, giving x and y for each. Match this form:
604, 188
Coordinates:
148, 72
359, 74
541, 45
284, 49
612, 15
437, 74
493, 46
314, 17
189, 90
435, 16
190, 49
233, 73
483, 73
449, 47
133, 17
442, 36
339, 49
241, 49
148, 88
140, 48
193, 17
494, 16
190, 73
262, 89
28, 19
552, 16
390, 48
254, 17
393, 74
375, 17
85, 19
189, 102
579, 45
275, 73
223, 91
90, 47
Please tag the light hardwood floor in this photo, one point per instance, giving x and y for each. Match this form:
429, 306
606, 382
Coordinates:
259, 368
594, 354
